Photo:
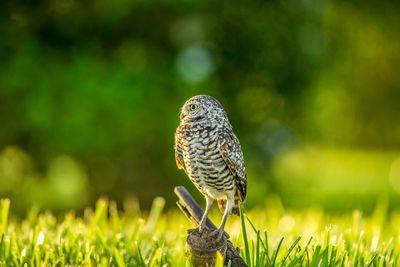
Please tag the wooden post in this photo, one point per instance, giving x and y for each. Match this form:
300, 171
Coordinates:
198, 247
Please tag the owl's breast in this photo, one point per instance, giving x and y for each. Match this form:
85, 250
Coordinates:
200, 147
204, 163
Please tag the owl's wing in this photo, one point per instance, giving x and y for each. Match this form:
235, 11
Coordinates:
178, 154
231, 152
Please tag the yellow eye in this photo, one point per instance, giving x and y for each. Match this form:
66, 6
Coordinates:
193, 107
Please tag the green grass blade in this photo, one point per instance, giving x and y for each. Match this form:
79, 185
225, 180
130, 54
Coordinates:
244, 233
372, 259
118, 258
257, 261
276, 252
100, 213
316, 257
255, 230
290, 249
155, 212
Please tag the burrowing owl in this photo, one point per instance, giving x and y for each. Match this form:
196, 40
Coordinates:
209, 152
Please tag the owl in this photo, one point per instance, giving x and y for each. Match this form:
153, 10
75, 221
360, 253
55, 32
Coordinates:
209, 152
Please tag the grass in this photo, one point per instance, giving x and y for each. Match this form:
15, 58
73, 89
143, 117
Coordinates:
107, 237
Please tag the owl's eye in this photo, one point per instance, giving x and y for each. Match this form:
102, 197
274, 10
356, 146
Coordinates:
193, 107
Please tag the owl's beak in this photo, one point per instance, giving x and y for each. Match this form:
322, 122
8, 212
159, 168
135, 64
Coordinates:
182, 115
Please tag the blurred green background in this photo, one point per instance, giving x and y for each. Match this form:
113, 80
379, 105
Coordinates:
90, 94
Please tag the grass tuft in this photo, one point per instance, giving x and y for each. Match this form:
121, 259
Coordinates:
108, 237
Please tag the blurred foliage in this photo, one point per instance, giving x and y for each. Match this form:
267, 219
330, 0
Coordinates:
90, 95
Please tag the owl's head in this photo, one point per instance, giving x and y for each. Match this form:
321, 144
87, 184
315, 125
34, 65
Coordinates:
202, 108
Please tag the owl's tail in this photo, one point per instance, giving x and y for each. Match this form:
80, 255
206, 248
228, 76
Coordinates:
235, 210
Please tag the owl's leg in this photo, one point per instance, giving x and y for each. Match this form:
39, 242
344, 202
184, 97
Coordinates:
229, 205
210, 202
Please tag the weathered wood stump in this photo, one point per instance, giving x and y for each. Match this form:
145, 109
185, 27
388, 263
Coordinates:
201, 248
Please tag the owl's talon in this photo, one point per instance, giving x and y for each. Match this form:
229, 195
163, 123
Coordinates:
201, 226
219, 233
214, 233
200, 229
220, 236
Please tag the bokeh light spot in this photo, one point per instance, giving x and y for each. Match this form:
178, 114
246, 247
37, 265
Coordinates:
286, 223
68, 179
195, 64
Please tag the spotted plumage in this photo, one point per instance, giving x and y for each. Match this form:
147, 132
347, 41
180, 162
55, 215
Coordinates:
209, 152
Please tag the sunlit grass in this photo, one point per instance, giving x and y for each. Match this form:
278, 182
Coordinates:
271, 237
